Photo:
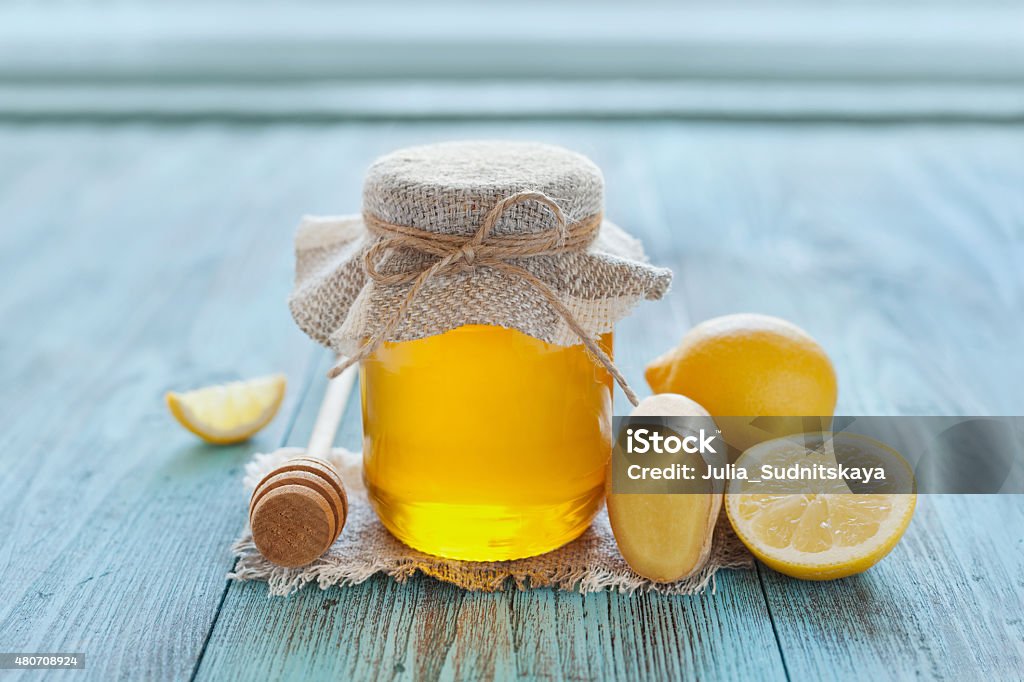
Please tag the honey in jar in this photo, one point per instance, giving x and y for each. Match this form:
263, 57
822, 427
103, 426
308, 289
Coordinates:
484, 443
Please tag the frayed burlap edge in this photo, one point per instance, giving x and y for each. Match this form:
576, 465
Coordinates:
335, 303
591, 563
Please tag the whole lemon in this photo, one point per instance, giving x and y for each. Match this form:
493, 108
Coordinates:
753, 366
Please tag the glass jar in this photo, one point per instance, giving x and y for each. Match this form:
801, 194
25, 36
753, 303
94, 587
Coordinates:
483, 443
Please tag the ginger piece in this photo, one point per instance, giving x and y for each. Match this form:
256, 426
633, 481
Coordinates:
665, 537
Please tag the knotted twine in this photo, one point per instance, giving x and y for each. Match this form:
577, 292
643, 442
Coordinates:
460, 253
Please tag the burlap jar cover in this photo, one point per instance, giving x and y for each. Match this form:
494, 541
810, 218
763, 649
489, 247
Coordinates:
493, 233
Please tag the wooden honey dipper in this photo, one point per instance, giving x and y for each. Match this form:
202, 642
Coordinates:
298, 510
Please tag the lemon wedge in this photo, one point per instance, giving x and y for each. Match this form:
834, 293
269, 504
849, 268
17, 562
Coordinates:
821, 529
229, 413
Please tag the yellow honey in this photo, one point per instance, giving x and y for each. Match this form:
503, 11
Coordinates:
483, 443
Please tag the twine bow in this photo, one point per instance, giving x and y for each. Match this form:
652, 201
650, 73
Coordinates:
460, 253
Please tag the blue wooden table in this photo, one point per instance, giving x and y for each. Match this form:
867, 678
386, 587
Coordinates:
140, 257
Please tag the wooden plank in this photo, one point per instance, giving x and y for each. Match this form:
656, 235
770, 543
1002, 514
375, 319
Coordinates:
128, 286
903, 43
946, 604
895, 250
472, 100
436, 631
382, 629
898, 248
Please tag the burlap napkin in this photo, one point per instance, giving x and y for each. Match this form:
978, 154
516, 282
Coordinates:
591, 563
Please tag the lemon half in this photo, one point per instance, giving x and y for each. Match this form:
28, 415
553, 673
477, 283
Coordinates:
825, 530
229, 413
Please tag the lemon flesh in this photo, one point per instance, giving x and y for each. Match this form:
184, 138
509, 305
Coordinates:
825, 531
231, 412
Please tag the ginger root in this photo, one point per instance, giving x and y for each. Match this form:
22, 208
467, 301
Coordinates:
665, 537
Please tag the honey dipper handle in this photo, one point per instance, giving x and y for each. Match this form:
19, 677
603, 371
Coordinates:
331, 410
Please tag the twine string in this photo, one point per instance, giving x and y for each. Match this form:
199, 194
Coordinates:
461, 253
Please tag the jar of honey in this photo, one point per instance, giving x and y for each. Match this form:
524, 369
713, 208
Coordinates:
478, 292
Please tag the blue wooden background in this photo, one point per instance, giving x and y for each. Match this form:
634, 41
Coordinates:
142, 257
